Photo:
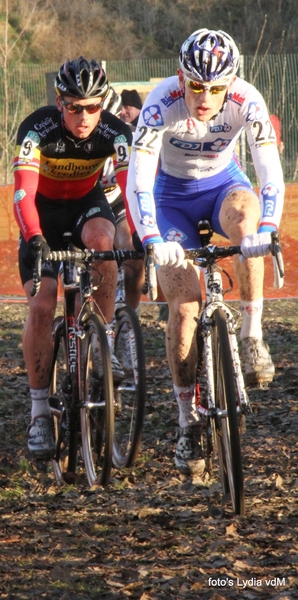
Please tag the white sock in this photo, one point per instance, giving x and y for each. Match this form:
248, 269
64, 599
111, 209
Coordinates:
251, 319
40, 402
186, 400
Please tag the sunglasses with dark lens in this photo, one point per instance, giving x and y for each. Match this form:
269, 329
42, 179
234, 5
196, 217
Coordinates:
76, 109
199, 88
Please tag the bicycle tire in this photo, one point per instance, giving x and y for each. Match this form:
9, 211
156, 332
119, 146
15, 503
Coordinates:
97, 411
130, 394
227, 428
63, 401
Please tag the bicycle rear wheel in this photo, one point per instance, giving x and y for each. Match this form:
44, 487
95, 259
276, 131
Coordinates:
130, 394
97, 412
62, 391
226, 426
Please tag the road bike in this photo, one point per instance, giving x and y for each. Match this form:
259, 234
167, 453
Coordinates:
84, 401
222, 399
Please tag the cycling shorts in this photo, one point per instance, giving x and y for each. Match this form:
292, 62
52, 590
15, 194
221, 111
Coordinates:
181, 203
57, 217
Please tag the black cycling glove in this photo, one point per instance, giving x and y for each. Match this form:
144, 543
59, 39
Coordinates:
34, 243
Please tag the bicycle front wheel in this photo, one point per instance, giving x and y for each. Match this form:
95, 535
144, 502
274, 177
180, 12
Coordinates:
226, 424
130, 394
65, 415
97, 412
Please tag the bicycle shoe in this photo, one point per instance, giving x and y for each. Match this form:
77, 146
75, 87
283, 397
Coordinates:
117, 371
189, 458
256, 362
40, 439
125, 348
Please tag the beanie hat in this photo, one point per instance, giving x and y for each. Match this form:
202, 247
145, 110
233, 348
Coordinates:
131, 98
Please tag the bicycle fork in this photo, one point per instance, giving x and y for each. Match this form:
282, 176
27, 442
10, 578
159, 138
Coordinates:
206, 323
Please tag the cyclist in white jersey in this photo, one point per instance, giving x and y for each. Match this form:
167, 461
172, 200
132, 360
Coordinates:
188, 130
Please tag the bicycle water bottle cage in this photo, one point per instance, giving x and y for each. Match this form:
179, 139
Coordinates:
205, 232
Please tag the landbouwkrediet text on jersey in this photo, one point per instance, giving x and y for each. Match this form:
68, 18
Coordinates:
70, 169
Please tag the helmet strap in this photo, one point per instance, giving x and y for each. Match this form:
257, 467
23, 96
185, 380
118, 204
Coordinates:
222, 106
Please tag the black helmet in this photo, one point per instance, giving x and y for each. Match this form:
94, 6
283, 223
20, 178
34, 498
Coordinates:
81, 79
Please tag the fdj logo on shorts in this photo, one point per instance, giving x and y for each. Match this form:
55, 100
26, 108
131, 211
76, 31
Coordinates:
174, 235
146, 208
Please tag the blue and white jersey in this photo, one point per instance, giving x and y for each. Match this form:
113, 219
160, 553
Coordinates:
168, 138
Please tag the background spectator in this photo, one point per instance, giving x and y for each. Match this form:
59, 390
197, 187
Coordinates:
131, 106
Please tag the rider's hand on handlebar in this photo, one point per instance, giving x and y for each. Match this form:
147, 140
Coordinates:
169, 253
254, 245
35, 243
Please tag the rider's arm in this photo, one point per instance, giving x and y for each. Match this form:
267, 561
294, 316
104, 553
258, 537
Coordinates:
26, 176
141, 205
263, 146
147, 143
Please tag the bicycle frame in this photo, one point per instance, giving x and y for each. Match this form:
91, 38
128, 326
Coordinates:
84, 412
226, 402
77, 281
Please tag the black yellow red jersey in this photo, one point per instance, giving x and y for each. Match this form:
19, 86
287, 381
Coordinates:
51, 162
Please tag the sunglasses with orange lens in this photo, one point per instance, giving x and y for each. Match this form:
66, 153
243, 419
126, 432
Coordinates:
199, 88
76, 109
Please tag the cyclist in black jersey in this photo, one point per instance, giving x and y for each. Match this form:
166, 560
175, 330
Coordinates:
61, 151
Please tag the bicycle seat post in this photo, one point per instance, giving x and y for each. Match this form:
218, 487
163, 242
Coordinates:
205, 232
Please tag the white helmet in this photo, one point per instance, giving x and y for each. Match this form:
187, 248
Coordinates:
209, 55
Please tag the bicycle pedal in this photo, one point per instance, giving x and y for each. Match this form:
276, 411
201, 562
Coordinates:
54, 402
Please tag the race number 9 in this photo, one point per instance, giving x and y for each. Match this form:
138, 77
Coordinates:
121, 148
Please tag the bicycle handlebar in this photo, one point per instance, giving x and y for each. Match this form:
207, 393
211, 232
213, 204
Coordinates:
207, 252
210, 254
83, 256
213, 252
90, 255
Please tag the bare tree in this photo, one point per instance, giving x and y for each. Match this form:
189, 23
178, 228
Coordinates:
8, 128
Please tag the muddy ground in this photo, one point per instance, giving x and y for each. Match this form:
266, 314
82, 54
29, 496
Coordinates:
153, 534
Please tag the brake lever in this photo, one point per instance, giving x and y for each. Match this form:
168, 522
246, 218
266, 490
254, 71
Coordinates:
36, 272
278, 263
150, 270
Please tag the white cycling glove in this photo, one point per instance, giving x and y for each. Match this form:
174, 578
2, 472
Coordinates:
169, 253
256, 244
